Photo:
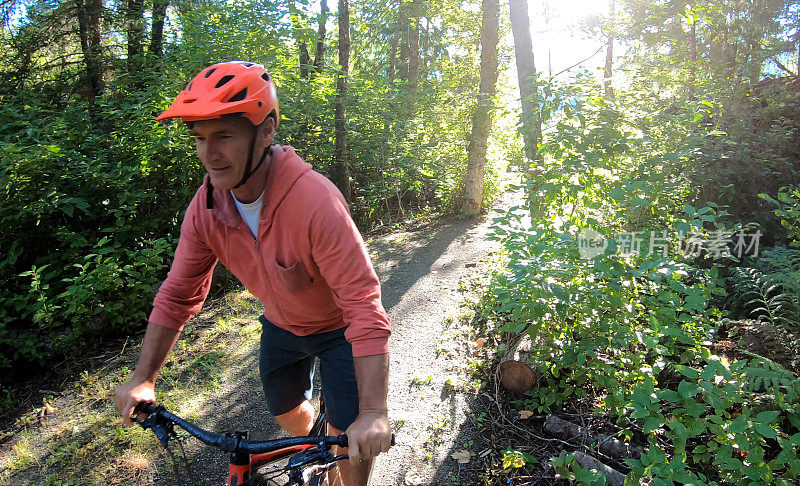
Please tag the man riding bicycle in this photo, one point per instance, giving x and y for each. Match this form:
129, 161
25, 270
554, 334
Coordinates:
285, 231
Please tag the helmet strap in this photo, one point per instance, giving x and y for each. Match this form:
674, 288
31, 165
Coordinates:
247, 171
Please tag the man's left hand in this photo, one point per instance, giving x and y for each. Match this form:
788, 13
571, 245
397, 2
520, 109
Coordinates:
368, 436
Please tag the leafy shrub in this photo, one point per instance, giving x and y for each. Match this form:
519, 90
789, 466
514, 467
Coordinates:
788, 212
89, 236
629, 334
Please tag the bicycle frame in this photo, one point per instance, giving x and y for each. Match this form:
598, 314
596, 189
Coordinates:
309, 455
242, 465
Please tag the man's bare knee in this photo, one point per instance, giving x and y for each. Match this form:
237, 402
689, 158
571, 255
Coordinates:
297, 421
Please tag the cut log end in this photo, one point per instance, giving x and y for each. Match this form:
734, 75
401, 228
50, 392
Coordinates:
516, 377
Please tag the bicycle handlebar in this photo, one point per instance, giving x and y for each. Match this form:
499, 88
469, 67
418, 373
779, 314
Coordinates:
161, 421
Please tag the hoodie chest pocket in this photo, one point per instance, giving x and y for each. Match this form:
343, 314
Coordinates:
293, 279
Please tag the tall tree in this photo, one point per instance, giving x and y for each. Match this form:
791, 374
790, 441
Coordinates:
341, 169
157, 29
89, 14
299, 32
403, 24
526, 74
319, 54
608, 71
134, 24
691, 18
482, 116
413, 56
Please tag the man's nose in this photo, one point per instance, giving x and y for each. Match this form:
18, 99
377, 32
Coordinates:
212, 149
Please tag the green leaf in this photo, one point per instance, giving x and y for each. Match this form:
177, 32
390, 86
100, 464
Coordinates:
669, 395
694, 408
679, 429
738, 425
767, 417
731, 464
766, 431
651, 424
688, 390
686, 371
617, 194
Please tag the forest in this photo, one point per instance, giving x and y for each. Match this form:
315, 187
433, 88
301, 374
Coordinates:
654, 264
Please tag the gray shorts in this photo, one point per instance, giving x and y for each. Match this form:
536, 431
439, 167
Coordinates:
287, 372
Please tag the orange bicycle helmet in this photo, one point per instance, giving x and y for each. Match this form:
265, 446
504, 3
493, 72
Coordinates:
227, 88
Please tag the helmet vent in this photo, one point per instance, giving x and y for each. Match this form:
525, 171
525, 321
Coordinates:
265, 76
189, 88
224, 80
239, 96
248, 64
210, 72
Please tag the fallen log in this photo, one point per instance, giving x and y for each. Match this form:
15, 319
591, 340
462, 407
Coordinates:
609, 446
515, 375
615, 478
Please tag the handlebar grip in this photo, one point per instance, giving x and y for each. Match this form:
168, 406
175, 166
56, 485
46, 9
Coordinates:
343, 440
144, 407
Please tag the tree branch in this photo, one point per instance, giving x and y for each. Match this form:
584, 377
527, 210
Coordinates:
788, 71
579, 62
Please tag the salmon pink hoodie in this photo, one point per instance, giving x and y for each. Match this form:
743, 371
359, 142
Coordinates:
308, 265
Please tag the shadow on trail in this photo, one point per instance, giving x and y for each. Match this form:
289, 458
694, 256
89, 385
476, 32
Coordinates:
401, 264
487, 430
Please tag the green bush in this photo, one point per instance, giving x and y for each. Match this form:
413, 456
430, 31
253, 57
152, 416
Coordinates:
85, 220
630, 334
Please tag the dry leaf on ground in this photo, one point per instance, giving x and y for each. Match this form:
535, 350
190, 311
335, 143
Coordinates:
462, 456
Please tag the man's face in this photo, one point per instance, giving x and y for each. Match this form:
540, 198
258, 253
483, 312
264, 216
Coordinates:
223, 146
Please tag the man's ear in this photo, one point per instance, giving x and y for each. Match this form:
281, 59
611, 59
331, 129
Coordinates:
267, 130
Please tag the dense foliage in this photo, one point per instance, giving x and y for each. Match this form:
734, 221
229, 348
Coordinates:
94, 189
660, 229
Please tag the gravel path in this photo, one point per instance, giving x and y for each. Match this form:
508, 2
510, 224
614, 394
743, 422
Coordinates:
420, 273
429, 355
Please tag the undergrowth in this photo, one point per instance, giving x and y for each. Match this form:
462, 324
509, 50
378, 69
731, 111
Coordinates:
620, 285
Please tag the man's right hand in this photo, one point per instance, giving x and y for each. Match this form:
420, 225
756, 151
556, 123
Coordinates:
130, 394
158, 341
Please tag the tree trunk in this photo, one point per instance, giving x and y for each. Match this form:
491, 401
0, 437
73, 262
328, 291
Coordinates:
692, 56
402, 20
342, 172
608, 72
157, 29
89, 30
298, 31
393, 49
482, 117
526, 72
413, 57
134, 20
319, 55
424, 43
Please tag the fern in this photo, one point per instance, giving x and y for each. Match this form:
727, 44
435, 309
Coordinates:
761, 374
764, 298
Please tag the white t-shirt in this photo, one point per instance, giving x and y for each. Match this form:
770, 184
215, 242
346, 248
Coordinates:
250, 212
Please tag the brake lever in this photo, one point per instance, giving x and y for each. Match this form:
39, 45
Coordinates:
163, 429
306, 457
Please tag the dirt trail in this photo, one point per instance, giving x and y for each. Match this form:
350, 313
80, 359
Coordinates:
428, 403
428, 356
420, 273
